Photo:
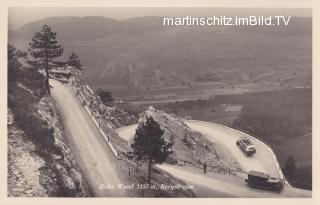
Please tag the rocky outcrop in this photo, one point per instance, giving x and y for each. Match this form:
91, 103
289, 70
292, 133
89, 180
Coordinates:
107, 117
188, 145
69, 178
40, 163
111, 115
24, 175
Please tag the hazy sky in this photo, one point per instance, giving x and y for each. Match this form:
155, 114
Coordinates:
19, 16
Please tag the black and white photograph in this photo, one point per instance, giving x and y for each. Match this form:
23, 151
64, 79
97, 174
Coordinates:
143, 102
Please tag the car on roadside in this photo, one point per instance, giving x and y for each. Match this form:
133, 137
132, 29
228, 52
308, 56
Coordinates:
262, 180
246, 146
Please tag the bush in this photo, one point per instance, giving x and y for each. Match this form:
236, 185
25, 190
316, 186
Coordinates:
105, 96
303, 178
36, 130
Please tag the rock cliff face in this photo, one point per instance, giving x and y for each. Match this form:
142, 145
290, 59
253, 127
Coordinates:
188, 145
69, 178
33, 173
24, 165
40, 162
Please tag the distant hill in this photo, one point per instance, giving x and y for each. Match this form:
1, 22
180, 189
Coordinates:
140, 53
70, 27
89, 27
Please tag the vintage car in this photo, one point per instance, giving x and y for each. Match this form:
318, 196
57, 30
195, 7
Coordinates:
264, 181
246, 146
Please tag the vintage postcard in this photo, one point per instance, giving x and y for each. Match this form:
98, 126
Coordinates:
144, 102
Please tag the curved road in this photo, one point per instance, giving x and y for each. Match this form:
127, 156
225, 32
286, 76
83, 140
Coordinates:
98, 163
225, 140
225, 186
226, 137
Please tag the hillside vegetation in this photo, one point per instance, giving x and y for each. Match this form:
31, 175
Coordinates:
273, 116
37, 127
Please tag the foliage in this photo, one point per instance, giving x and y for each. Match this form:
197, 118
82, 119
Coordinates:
74, 61
14, 54
36, 130
21, 101
273, 116
25, 89
290, 167
44, 48
13, 63
105, 96
300, 177
29, 77
303, 178
149, 144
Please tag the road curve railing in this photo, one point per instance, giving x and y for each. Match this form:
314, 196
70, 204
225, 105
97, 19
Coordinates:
95, 122
257, 140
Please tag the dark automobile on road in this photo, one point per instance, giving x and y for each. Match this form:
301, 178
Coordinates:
264, 181
246, 146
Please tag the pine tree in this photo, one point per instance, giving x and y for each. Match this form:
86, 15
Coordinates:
290, 167
44, 48
74, 61
149, 144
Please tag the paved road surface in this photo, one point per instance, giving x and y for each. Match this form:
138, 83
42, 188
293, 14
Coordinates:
91, 152
262, 160
226, 138
218, 185
98, 163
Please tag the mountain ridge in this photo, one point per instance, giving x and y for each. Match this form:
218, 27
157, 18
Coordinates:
141, 53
